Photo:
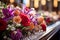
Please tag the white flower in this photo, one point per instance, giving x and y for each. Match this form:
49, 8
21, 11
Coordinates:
55, 17
32, 13
17, 7
5, 37
15, 32
9, 38
7, 28
12, 6
13, 28
46, 13
18, 25
12, 25
41, 14
32, 8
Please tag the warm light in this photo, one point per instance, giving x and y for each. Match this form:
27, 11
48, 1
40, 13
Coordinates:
36, 3
27, 2
55, 3
43, 2
59, 0
11, 1
48, 0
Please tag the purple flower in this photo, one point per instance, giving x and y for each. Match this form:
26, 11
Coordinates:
11, 11
37, 14
16, 35
6, 13
34, 20
6, 19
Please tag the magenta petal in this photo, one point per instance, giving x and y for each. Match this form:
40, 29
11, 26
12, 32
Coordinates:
6, 13
16, 36
7, 19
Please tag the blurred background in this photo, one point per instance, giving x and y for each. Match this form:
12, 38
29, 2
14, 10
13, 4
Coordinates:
45, 5
41, 6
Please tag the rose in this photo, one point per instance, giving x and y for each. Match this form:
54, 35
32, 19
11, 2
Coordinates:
3, 24
43, 25
48, 20
16, 19
25, 19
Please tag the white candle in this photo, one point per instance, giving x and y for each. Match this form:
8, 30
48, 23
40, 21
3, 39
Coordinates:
11, 1
36, 3
43, 2
55, 3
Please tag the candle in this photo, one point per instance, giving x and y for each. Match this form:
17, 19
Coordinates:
55, 3
11, 1
36, 3
43, 2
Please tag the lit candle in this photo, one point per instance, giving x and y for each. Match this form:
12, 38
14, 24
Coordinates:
11, 1
55, 3
36, 3
43, 2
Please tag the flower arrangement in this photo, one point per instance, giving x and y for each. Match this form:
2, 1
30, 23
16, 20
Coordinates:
50, 17
17, 22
